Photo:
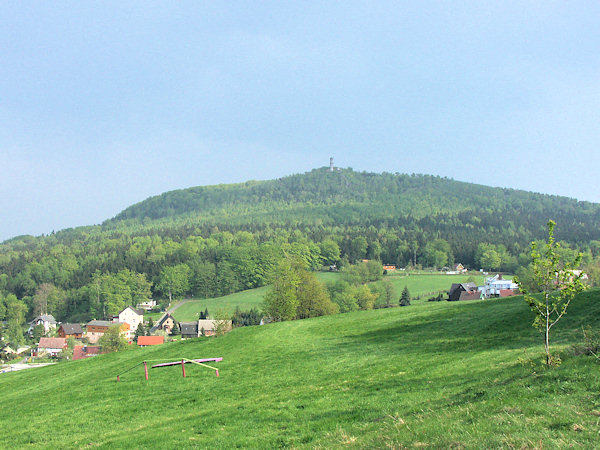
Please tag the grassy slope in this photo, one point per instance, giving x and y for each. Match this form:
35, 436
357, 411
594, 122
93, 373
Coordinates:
420, 284
442, 375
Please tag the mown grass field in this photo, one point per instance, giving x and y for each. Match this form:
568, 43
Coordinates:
433, 375
421, 285
418, 285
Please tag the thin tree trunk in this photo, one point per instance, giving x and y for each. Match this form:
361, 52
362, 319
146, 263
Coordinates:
547, 343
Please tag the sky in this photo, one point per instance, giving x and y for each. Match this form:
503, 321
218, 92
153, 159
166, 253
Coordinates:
103, 104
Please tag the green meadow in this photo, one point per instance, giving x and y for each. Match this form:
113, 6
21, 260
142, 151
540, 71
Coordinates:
432, 375
418, 285
423, 284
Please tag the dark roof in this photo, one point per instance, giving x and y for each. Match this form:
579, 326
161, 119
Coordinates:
101, 323
458, 289
45, 318
139, 312
164, 318
189, 327
71, 328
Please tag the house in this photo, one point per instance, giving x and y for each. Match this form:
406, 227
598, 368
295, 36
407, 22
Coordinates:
143, 341
47, 320
96, 328
147, 305
132, 317
497, 286
50, 346
463, 291
457, 269
166, 323
67, 330
203, 327
85, 351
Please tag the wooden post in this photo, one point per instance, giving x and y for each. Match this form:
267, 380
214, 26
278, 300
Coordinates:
183, 367
146, 370
217, 372
118, 378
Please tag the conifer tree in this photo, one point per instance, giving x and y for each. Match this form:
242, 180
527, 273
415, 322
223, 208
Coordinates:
405, 297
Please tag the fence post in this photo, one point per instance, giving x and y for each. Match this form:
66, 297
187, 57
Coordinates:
183, 367
146, 370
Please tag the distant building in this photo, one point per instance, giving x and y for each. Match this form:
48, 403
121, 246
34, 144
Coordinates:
206, 327
166, 323
50, 346
47, 320
497, 286
132, 317
67, 330
389, 267
463, 291
147, 305
96, 328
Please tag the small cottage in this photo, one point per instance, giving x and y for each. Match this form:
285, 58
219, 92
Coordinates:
50, 346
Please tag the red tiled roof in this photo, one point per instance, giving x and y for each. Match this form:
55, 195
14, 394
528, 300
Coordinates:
150, 340
46, 342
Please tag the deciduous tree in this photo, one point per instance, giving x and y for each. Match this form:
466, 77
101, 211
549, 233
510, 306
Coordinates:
557, 284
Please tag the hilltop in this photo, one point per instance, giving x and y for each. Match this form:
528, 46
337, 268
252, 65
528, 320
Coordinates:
345, 197
440, 375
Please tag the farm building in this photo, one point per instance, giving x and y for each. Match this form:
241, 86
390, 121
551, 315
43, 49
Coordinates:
464, 291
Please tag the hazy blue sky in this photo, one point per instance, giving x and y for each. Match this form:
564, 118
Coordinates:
103, 104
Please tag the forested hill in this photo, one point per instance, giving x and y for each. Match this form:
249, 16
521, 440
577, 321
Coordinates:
345, 197
226, 238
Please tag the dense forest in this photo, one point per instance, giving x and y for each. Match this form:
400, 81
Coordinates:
214, 240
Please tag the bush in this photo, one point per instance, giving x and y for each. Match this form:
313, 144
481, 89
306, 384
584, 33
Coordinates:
590, 345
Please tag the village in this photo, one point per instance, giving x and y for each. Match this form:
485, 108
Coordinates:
75, 341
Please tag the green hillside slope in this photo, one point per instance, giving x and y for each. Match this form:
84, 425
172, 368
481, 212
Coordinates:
434, 375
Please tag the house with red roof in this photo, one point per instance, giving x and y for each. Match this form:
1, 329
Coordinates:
50, 346
143, 341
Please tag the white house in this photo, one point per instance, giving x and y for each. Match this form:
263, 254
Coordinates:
497, 286
147, 305
47, 320
132, 317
